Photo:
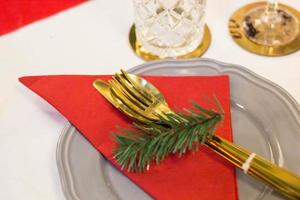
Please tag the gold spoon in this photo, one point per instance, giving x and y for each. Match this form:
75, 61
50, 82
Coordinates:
278, 178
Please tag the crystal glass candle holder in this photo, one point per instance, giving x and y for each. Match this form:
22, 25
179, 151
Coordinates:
169, 28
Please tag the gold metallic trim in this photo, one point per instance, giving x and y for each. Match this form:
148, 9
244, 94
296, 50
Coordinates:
238, 35
141, 52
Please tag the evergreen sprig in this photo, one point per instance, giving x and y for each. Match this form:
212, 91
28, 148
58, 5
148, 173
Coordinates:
175, 133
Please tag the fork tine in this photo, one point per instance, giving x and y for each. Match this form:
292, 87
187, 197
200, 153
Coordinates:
104, 89
121, 95
115, 83
124, 99
128, 111
137, 88
155, 101
131, 90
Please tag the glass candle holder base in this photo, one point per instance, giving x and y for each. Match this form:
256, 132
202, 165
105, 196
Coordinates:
249, 29
144, 54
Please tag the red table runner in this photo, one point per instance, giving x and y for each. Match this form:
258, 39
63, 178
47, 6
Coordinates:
15, 14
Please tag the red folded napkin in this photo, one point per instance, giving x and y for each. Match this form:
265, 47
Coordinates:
15, 14
200, 175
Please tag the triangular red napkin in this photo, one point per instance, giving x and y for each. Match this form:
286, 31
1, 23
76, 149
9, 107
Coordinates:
201, 175
15, 14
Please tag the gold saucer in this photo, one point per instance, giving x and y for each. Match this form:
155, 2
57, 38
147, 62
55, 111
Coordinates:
238, 34
141, 52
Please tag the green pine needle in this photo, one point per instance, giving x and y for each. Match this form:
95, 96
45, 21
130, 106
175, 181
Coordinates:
176, 134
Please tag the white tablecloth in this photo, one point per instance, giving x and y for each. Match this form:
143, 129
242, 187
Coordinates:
89, 39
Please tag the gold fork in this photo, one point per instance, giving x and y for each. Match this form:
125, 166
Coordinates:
146, 104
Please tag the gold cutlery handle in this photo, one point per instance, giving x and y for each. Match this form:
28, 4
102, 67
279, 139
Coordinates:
272, 175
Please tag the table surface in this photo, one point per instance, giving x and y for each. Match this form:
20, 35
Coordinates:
91, 38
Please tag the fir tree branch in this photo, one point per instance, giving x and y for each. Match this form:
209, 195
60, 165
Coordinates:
177, 133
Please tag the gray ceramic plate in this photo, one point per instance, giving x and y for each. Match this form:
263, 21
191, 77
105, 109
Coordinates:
265, 119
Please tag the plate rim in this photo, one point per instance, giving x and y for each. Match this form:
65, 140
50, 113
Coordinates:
65, 175
275, 88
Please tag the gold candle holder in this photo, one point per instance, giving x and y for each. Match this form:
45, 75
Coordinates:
243, 35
